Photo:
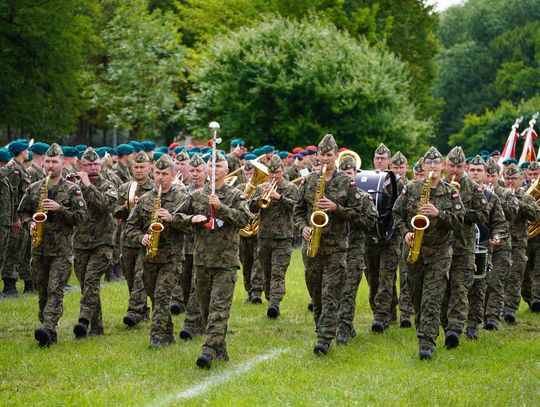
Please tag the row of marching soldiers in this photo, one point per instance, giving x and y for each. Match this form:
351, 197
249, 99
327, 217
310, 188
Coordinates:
439, 288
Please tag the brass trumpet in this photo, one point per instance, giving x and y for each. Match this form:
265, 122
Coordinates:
265, 200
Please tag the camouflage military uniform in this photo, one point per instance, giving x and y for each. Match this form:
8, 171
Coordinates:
132, 254
427, 277
161, 272
215, 258
122, 171
275, 239
530, 289
528, 211
36, 173
6, 216
51, 261
234, 164
92, 244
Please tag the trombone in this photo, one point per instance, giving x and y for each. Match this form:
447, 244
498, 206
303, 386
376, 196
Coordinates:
265, 200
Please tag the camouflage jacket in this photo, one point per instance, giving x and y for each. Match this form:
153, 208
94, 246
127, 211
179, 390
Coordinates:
216, 247
59, 226
509, 203
138, 223
98, 229
292, 173
36, 173
19, 179
275, 222
122, 171
476, 211
528, 212
438, 237
6, 202
189, 237
352, 209
357, 236
234, 163
111, 176
497, 224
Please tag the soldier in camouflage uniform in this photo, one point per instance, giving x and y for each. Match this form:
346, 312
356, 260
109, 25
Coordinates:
427, 277
19, 180
51, 260
132, 252
6, 208
343, 204
160, 272
461, 276
355, 259
501, 258
275, 232
233, 160
38, 151
92, 242
123, 165
528, 212
216, 255
488, 236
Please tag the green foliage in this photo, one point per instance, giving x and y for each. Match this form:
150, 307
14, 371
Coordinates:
139, 79
45, 47
288, 83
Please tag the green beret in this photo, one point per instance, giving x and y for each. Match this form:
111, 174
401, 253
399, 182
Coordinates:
382, 149
483, 152
39, 148
491, 166
108, 150
534, 166
219, 157
257, 152
512, 170
432, 154
148, 146
347, 163
29, 158
136, 145
509, 161
237, 142
177, 149
164, 161
141, 157
69, 151
283, 154
19, 145
206, 150
164, 149
54, 151
158, 155
195, 150
525, 164
456, 155
399, 159
196, 160
275, 163
81, 147
100, 151
5, 155
125, 149
327, 144
90, 154
267, 149
183, 156
477, 160
250, 156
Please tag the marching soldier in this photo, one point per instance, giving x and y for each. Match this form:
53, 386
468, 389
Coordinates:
160, 272
38, 151
132, 252
427, 277
6, 208
92, 242
275, 231
216, 255
51, 264
122, 166
342, 203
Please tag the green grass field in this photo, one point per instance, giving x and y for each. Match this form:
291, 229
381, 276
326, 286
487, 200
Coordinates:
272, 362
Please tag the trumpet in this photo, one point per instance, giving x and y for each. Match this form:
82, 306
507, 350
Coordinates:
265, 200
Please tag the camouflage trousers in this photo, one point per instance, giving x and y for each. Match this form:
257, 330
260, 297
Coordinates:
251, 267
193, 320
382, 262
50, 274
159, 281
274, 258
17, 245
512, 293
405, 302
455, 306
215, 288
477, 299
90, 265
308, 272
181, 292
4, 243
501, 261
328, 270
353, 276
117, 245
530, 288
131, 262
427, 283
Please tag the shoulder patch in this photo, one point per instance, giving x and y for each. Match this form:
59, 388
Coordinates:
455, 196
457, 206
78, 192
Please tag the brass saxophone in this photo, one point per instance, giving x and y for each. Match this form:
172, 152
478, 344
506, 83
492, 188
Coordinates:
155, 229
41, 215
318, 219
419, 223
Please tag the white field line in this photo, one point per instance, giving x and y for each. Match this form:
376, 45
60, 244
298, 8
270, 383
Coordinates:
217, 379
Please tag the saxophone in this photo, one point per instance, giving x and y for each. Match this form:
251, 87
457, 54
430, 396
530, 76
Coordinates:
419, 223
318, 219
155, 229
41, 215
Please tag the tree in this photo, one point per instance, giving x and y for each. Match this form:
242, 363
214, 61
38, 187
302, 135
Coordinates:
286, 82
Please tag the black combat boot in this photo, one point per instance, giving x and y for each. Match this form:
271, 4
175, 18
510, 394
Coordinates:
491, 326
222, 355
510, 318
29, 287
321, 349
44, 337
131, 320
535, 306
405, 321
452, 340
186, 335
342, 338
471, 333
272, 312
256, 299
310, 306
377, 327
176, 308
96, 331
425, 353
81, 328
10, 287
204, 361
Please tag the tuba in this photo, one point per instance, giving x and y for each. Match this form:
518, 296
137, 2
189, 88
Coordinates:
155, 229
41, 215
260, 176
420, 223
318, 219
349, 153
534, 191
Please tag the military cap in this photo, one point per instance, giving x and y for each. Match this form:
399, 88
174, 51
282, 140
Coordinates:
296, 150
267, 149
108, 150
5, 155
173, 145
191, 154
81, 147
158, 155
164, 161
298, 157
495, 152
328, 143
432, 154
125, 149
417, 167
136, 145
311, 152
303, 153
257, 152
29, 158
39, 148
534, 166
468, 159
456, 155
237, 142
491, 166
274, 163
148, 146
316, 161
512, 170
509, 161
525, 164
79, 154
347, 163
178, 149
54, 151
141, 157
219, 157
250, 156
283, 154
69, 151
312, 148
382, 149
90, 154
19, 145
483, 152
399, 158
163, 149
182, 156
477, 160
196, 150
196, 161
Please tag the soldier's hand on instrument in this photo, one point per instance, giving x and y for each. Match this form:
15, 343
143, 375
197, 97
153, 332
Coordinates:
164, 214
214, 201
118, 221
32, 226
275, 195
50, 205
198, 219
16, 226
326, 205
306, 233
145, 240
495, 240
429, 210
84, 179
409, 238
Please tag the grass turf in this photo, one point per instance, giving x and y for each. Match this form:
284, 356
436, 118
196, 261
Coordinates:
502, 368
